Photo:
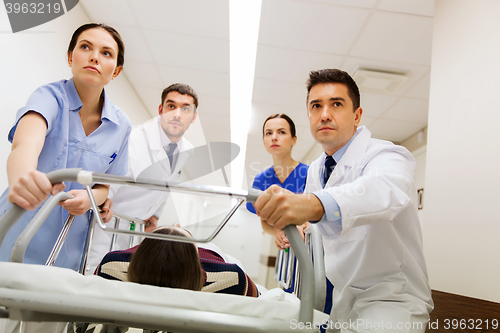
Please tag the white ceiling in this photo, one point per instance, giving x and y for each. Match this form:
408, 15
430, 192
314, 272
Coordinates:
188, 41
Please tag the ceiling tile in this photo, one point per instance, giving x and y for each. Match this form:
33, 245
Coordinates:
279, 93
393, 130
143, 74
421, 88
203, 82
396, 37
291, 65
310, 26
367, 121
136, 46
189, 51
414, 72
218, 136
260, 111
112, 12
213, 106
352, 3
416, 7
220, 123
150, 97
409, 109
374, 105
192, 17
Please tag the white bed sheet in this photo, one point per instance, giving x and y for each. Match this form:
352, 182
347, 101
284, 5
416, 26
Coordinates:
55, 280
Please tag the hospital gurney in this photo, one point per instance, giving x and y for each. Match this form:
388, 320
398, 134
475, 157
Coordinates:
58, 294
288, 277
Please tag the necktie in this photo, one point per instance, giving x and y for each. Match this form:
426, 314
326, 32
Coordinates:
170, 153
329, 166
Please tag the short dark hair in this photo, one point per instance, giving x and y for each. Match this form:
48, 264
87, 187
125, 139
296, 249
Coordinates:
182, 89
166, 263
120, 60
335, 76
284, 116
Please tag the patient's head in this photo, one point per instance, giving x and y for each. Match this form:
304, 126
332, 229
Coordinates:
166, 263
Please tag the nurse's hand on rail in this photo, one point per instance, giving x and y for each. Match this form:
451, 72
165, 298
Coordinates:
106, 211
302, 230
32, 189
280, 207
151, 224
281, 241
79, 204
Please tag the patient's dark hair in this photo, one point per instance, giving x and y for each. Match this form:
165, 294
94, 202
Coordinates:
166, 263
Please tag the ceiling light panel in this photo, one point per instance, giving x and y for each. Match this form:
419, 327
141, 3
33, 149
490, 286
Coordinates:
376, 81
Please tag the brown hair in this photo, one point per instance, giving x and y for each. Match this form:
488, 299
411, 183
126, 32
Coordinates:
116, 36
166, 263
182, 89
284, 116
335, 76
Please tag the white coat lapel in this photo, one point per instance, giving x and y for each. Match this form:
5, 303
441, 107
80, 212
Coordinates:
352, 154
313, 182
145, 144
181, 159
153, 131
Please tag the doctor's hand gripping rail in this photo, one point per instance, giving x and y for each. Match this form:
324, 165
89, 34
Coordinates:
88, 178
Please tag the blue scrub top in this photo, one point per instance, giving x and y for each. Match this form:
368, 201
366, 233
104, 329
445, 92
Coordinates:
66, 146
295, 182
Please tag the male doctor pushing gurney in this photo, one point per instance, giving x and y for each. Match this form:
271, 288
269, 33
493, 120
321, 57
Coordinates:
361, 194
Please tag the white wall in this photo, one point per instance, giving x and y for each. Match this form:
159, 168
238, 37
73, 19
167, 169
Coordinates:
462, 214
38, 56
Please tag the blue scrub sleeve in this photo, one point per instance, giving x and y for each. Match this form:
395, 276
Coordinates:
46, 101
256, 185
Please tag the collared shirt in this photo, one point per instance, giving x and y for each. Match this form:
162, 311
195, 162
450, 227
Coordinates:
165, 141
67, 146
332, 209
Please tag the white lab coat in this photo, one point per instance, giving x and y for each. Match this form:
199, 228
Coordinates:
375, 259
134, 201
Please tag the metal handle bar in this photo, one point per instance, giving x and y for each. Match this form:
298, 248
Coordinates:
23, 240
12, 215
315, 242
86, 178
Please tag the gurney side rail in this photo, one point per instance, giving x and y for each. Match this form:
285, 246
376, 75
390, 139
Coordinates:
87, 178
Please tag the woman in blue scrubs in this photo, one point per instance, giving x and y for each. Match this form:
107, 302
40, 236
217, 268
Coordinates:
279, 137
67, 124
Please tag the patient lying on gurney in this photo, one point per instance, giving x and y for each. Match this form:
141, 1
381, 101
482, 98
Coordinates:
176, 265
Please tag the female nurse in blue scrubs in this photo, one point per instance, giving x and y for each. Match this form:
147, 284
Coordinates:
67, 124
279, 137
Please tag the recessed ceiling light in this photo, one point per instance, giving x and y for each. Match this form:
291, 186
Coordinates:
379, 81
